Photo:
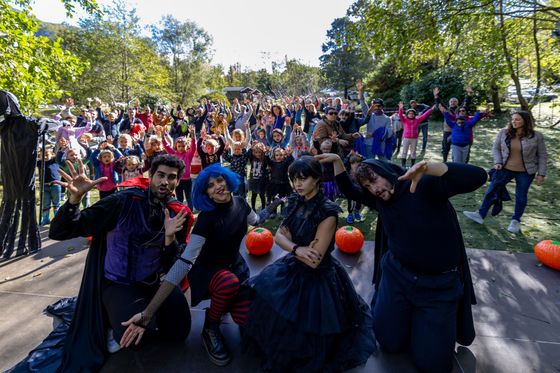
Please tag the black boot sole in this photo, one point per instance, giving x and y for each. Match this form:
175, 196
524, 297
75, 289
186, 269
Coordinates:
218, 362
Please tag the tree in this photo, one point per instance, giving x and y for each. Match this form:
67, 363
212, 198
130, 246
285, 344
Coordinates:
122, 64
343, 63
32, 66
484, 40
300, 79
187, 47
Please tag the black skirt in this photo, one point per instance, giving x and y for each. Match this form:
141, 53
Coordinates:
308, 320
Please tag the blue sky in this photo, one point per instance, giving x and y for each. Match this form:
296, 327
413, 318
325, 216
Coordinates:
252, 32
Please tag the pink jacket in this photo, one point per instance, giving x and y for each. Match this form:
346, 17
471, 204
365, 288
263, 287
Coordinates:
410, 126
185, 156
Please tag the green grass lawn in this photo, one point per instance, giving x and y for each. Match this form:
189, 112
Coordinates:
540, 221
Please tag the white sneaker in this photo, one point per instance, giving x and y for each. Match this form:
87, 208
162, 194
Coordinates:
514, 226
475, 216
112, 345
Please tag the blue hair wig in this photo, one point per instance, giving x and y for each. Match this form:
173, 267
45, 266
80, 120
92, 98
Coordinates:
200, 198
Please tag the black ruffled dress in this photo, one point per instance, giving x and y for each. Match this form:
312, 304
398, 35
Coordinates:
304, 319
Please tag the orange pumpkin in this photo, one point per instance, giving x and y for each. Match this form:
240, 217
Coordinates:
548, 252
349, 239
259, 241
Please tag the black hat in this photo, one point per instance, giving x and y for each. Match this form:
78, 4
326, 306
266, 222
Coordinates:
378, 101
388, 170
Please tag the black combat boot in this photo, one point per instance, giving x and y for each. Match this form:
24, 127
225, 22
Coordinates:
214, 343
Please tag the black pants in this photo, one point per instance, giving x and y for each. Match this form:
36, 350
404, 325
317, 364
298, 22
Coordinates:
417, 313
183, 191
446, 145
173, 319
399, 142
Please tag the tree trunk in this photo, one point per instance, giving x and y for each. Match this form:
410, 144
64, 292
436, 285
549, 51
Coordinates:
503, 35
497, 103
538, 57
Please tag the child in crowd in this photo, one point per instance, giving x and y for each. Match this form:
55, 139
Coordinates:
259, 135
410, 124
220, 123
397, 126
129, 167
210, 148
70, 133
258, 179
154, 147
298, 142
461, 133
277, 138
180, 124
51, 191
111, 122
330, 190
103, 160
73, 156
352, 161
185, 150
127, 146
238, 163
238, 135
279, 185
146, 117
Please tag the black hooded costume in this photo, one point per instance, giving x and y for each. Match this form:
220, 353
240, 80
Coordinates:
407, 216
18, 158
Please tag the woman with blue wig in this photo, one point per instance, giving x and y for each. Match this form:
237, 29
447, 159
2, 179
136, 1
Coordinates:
211, 260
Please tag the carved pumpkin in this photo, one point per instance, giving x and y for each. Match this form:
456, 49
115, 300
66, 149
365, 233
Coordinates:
259, 241
349, 239
548, 252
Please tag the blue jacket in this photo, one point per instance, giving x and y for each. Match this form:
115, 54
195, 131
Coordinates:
461, 135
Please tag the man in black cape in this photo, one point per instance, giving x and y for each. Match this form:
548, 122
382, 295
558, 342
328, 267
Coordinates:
137, 234
424, 288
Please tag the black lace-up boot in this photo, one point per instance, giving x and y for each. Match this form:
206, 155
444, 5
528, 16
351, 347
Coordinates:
214, 343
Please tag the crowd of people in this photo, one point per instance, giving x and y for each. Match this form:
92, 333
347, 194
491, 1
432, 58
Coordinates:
298, 156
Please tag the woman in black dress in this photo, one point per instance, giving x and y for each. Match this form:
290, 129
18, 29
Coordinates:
306, 315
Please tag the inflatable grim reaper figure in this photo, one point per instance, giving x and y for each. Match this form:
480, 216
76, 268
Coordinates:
19, 136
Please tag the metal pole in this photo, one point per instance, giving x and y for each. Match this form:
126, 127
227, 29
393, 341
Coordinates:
42, 177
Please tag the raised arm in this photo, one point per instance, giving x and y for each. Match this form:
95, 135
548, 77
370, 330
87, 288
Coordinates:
70, 222
247, 142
